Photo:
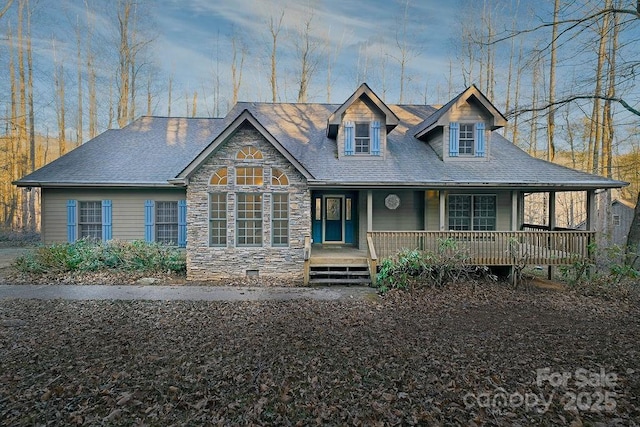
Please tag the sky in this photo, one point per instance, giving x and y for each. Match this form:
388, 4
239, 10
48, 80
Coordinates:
360, 36
191, 47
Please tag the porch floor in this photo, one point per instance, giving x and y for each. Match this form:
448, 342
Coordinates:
336, 255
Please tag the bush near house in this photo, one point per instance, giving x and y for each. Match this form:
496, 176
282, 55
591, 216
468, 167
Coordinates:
413, 268
88, 255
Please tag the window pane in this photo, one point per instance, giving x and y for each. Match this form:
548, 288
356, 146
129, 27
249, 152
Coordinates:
278, 177
347, 214
220, 177
249, 153
280, 220
249, 219
249, 176
318, 216
167, 223
90, 219
218, 219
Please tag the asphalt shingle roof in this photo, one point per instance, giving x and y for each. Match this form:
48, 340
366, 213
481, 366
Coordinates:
153, 150
148, 151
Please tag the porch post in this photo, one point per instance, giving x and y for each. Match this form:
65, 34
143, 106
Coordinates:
591, 217
591, 210
369, 210
443, 219
552, 224
515, 226
521, 208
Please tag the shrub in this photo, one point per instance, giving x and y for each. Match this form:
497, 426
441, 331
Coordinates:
414, 268
87, 255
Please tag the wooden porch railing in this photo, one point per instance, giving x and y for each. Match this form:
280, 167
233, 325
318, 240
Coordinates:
492, 247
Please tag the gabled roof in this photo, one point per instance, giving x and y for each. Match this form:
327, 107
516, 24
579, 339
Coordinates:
146, 152
243, 117
156, 151
335, 120
470, 93
623, 202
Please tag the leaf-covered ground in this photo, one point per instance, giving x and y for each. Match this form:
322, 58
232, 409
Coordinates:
463, 355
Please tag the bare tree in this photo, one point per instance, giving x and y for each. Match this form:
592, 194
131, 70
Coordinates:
275, 26
551, 147
239, 51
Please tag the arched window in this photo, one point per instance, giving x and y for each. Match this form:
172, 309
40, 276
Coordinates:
249, 153
220, 177
278, 177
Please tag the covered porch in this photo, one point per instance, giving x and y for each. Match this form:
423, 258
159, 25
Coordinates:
509, 241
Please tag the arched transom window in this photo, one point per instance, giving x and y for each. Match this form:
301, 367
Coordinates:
249, 153
278, 177
220, 177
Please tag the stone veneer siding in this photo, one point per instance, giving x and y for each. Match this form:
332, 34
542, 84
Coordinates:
205, 262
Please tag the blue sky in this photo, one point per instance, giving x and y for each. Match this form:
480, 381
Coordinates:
359, 35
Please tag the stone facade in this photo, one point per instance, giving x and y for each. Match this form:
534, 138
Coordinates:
207, 262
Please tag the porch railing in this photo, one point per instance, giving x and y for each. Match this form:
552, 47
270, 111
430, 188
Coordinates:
492, 247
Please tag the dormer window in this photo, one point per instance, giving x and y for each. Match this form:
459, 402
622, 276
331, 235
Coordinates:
362, 138
466, 139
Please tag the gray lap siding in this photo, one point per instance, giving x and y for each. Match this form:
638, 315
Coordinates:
206, 262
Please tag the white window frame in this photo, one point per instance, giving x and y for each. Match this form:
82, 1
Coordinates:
467, 135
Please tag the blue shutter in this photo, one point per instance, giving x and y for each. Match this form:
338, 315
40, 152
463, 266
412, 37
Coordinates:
182, 223
349, 138
106, 220
375, 138
480, 144
454, 135
72, 221
149, 216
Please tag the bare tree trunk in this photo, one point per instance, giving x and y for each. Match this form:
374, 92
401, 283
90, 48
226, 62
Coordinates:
31, 196
79, 125
124, 63
194, 108
633, 238
91, 76
595, 138
58, 79
551, 147
170, 91
237, 65
274, 30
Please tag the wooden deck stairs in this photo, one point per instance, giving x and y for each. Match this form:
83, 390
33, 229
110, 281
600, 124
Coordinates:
337, 266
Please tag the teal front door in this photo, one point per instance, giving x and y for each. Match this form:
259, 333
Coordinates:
333, 219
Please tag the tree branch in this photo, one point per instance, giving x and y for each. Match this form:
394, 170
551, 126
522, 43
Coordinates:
573, 22
621, 101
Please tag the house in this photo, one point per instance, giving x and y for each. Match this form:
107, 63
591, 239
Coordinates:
315, 192
622, 212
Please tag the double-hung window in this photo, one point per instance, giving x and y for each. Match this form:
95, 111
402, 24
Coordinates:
218, 219
90, 220
362, 138
466, 140
249, 219
280, 219
472, 212
167, 223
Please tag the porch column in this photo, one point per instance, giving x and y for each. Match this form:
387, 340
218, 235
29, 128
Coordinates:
443, 219
515, 224
552, 210
369, 210
521, 208
552, 224
591, 210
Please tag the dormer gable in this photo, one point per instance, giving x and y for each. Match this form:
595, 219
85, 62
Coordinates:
366, 95
461, 129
